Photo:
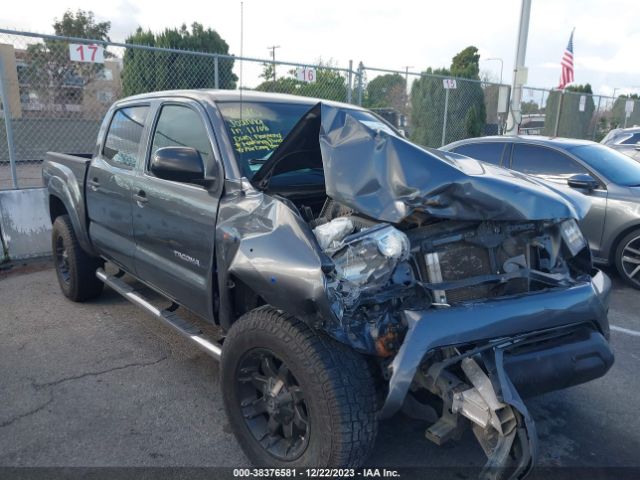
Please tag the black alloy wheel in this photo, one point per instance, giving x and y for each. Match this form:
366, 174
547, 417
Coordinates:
273, 404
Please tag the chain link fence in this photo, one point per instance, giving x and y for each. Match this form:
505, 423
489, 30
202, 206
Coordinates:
56, 90
434, 110
575, 115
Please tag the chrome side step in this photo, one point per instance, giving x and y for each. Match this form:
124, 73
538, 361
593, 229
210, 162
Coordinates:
190, 331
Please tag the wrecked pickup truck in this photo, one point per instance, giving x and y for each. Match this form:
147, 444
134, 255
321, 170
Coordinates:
353, 273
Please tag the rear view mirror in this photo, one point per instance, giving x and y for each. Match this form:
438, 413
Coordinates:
583, 181
180, 164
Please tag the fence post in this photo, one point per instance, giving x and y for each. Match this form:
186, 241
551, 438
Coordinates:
557, 125
6, 108
350, 79
444, 120
360, 82
596, 119
216, 78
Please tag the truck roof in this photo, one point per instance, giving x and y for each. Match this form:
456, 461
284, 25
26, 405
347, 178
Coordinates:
213, 95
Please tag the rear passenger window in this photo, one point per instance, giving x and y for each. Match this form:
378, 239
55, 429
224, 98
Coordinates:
123, 138
532, 159
632, 140
180, 126
490, 152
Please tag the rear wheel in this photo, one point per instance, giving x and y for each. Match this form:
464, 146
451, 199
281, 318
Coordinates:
628, 258
76, 269
295, 397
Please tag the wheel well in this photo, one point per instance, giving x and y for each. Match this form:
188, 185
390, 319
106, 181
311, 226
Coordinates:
243, 298
56, 208
616, 242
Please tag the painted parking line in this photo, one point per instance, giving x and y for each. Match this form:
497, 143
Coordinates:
628, 331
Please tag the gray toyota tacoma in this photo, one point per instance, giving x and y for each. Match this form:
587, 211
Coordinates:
354, 274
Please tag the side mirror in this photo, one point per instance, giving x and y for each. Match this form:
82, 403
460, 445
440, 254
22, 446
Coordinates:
180, 164
583, 181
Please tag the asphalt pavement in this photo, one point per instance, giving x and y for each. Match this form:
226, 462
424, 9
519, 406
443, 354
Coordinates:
104, 384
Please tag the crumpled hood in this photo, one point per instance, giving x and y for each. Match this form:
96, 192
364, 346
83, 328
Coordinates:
386, 177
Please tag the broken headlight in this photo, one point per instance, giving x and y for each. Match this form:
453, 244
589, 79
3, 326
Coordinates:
370, 256
572, 236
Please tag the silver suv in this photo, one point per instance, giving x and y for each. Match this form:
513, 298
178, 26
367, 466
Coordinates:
625, 140
611, 180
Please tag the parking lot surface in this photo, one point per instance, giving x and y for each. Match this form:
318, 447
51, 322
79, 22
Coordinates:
105, 384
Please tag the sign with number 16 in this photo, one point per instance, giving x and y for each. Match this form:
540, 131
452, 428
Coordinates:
306, 74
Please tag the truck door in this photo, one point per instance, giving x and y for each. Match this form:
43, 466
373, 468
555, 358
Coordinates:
108, 185
174, 222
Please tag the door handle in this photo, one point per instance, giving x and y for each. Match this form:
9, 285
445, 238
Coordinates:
141, 197
94, 184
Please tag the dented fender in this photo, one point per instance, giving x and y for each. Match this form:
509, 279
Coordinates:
262, 241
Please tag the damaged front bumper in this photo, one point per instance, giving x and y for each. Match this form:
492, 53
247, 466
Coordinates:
528, 343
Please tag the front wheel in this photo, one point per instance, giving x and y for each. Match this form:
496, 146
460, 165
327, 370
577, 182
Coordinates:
296, 398
628, 258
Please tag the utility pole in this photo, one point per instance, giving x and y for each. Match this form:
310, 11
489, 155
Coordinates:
519, 70
406, 77
273, 57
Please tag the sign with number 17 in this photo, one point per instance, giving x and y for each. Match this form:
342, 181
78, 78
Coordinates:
90, 53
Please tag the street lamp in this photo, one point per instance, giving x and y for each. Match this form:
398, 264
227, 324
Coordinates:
501, 65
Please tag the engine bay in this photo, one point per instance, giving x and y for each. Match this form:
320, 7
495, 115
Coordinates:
380, 269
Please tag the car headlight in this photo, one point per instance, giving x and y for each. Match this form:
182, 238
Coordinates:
572, 236
368, 258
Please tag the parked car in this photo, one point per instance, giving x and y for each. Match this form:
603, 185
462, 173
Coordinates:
625, 140
532, 124
610, 180
351, 281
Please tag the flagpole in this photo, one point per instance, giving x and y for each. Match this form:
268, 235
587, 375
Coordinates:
519, 70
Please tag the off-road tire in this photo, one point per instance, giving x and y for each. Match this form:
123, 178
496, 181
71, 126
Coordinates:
633, 238
337, 383
77, 277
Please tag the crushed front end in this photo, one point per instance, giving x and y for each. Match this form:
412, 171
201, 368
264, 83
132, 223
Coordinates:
467, 317
471, 286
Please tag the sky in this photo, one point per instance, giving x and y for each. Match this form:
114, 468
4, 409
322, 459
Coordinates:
390, 34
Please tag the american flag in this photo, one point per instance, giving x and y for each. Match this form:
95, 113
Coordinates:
567, 64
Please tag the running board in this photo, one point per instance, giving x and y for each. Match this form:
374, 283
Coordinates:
190, 331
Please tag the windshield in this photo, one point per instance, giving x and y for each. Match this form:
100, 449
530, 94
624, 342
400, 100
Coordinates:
263, 125
614, 165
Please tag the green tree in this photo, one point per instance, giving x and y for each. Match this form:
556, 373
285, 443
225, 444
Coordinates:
82, 24
386, 91
427, 107
329, 84
268, 71
148, 71
50, 68
572, 121
466, 110
529, 107
618, 114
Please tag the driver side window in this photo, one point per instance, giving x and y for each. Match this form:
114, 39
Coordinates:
537, 160
180, 126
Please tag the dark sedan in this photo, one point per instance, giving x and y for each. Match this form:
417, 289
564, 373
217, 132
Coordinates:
610, 179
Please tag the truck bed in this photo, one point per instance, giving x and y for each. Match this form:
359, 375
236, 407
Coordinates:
65, 176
